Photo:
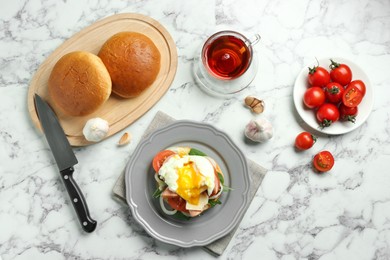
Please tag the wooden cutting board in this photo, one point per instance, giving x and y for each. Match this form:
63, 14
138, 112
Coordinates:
119, 112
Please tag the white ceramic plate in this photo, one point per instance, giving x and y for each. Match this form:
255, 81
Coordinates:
340, 127
213, 223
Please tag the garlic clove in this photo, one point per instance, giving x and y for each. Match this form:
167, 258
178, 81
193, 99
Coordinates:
125, 139
256, 105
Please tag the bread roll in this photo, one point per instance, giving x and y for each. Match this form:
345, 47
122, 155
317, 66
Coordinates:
79, 83
133, 62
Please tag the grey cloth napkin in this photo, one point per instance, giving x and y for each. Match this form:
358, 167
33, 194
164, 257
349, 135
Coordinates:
256, 173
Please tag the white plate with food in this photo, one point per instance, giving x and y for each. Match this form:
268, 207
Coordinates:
309, 115
213, 223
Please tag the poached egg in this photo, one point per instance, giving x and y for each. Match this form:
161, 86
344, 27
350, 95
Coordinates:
189, 176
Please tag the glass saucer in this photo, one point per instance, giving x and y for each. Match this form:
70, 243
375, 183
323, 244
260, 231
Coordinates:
219, 87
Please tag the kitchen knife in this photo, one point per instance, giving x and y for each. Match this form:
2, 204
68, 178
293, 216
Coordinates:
65, 158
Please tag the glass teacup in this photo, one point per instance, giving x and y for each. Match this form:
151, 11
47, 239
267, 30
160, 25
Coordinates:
227, 63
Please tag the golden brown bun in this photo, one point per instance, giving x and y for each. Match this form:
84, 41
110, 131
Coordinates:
79, 83
133, 62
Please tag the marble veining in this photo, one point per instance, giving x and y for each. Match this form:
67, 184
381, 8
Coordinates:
296, 214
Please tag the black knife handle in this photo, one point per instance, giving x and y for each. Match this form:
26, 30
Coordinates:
78, 200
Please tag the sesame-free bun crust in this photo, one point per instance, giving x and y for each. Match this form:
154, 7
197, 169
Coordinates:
79, 83
133, 62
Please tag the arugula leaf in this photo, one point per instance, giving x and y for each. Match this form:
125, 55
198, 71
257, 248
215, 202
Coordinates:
221, 179
181, 216
157, 193
194, 151
226, 188
214, 202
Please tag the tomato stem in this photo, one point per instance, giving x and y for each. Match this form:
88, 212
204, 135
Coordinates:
325, 123
314, 138
312, 70
333, 64
333, 90
351, 119
318, 63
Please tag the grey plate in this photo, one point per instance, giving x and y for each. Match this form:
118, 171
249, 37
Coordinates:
212, 224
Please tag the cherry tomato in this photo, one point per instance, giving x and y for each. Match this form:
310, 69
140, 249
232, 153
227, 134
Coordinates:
314, 97
352, 96
318, 76
348, 113
305, 140
327, 114
334, 92
359, 85
340, 73
160, 158
323, 161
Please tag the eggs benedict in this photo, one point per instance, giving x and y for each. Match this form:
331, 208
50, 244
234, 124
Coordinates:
189, 181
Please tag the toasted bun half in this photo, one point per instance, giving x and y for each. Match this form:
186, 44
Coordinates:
133, 61
79, 83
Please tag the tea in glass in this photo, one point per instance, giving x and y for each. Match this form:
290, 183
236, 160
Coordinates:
227, 56
226, 64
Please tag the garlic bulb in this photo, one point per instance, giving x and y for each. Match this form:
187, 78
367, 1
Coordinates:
95, 129
259, 130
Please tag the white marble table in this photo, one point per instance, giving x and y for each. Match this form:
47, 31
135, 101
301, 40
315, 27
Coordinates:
296, 214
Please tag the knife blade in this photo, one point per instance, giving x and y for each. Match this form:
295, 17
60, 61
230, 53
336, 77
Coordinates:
65, 159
